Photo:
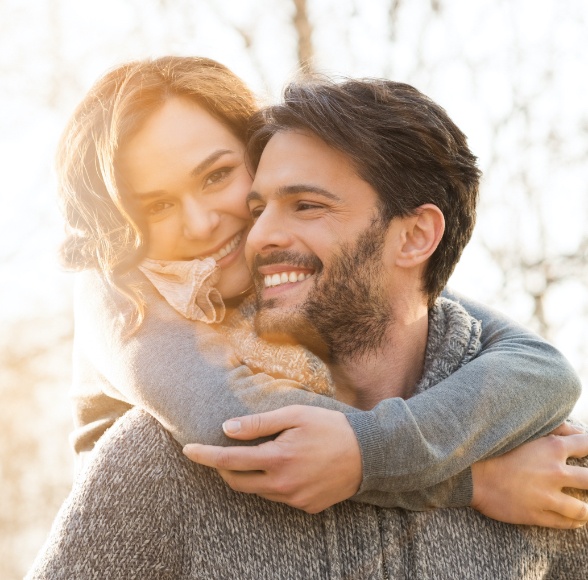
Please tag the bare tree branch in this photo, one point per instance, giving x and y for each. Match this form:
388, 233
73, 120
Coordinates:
303, 28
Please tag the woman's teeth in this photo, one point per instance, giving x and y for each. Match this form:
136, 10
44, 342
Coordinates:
284, 278
227, 249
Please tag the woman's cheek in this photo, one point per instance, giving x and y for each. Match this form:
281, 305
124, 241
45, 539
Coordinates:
162, 238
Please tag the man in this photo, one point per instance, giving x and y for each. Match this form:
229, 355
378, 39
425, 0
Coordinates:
338, 188
363, 201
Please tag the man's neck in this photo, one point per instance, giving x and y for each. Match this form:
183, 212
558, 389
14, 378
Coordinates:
392, 371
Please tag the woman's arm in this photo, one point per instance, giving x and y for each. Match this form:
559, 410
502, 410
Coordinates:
183, 374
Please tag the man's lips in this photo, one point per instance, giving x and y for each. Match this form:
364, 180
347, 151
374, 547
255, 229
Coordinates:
278, 274
282, 267
285, 277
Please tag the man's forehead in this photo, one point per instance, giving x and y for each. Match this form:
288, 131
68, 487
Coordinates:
299, 157
296, 163
296, 146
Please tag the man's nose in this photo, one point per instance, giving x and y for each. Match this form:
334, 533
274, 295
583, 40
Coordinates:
269, 232
199, 222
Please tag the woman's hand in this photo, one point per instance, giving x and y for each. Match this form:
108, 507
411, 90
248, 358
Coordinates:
526, 485
313, 463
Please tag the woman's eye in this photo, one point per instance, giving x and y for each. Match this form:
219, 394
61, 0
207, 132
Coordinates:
158, 207
217, 176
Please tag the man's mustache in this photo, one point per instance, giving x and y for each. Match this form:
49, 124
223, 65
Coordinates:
309, 261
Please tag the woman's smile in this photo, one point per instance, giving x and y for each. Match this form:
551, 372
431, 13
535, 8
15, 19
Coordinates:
227, 250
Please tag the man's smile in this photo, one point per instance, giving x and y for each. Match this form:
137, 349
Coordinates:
285, 277
284, 269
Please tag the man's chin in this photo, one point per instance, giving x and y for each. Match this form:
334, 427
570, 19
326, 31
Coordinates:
290, 327
274, 326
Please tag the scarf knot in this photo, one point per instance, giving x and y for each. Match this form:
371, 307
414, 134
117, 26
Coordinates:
189, 287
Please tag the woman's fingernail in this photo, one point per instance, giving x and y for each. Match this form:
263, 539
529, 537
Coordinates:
231, 427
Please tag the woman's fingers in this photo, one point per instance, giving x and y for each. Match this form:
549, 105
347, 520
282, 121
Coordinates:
245, 481
575, 445
576, 477
259, 457
555, 520
262, 424
567, 428
570, 507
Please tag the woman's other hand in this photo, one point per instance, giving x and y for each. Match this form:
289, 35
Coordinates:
533, 483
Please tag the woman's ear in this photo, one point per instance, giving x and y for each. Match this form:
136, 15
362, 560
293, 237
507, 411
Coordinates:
422, 233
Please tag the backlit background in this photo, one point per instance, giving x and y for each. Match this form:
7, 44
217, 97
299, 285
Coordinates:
511, 73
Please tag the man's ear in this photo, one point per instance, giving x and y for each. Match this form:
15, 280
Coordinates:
422, 233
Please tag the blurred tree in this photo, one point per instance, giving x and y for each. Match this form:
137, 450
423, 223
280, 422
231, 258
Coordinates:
303, 28
37, 464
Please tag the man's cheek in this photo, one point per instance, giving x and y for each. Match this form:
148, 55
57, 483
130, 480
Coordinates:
249, 256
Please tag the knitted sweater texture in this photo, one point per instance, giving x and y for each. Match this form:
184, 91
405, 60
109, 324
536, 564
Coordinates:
416, 453
142, 510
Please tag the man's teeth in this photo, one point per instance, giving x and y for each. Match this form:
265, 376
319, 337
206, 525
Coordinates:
227, 249
284, 278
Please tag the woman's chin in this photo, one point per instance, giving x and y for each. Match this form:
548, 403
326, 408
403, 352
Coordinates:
231, 286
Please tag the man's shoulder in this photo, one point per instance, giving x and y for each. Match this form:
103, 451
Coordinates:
135, 455
453, 340
117, 520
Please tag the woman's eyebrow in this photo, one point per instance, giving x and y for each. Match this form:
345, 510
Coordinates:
200, 168
210, 160
148, 195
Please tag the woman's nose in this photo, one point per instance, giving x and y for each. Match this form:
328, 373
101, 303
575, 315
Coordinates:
199, 222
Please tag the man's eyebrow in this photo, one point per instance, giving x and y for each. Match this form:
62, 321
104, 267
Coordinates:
200, 168
253, 196
289, 190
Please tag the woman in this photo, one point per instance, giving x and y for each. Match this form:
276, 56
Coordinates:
153, 183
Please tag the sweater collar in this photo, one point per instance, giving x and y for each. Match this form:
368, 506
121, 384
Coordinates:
188, 286
453, 341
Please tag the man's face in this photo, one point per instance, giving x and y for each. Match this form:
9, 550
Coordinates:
317, 248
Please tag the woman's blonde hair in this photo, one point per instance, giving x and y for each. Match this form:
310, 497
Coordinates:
102, 230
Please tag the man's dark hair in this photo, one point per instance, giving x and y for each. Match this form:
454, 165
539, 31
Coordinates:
400, 142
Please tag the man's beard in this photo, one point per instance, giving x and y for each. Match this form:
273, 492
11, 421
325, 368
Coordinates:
346, 314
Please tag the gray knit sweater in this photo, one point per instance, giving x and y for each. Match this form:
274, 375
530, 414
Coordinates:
142, 510
183, 374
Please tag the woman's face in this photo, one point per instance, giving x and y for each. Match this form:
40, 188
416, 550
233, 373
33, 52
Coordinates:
186, 172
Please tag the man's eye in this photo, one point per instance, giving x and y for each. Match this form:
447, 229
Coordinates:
256, 211
158, 207
307, 205
217, 176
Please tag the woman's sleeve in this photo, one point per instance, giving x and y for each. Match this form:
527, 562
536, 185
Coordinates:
518, 388
185, 376
181, 372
